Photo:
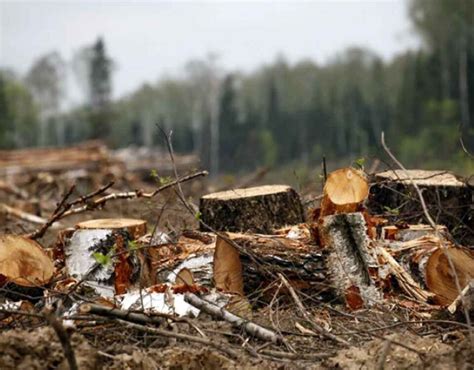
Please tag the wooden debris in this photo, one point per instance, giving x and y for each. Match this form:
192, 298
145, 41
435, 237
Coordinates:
351, 260
13, 189
430, 261
405, 280
410, 232
89, 155
23, 265
227, 272
260, 209
465, 298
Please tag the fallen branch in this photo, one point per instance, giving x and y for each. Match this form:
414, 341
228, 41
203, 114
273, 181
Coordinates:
22, 215
114, 313
221, 313
61, 208
99, 203
464, 298
190, 338
64, 339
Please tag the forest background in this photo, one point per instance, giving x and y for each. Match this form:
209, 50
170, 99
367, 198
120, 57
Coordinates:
285, 115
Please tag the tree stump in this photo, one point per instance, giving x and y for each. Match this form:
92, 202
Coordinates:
136, 228
102, 253
260, 209
448, 199
24, 267
345, 189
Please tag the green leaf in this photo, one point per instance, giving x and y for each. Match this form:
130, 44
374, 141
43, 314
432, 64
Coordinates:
198, 215
132, 245
154, 174
393, 211
359, 163
165, 180
101, 259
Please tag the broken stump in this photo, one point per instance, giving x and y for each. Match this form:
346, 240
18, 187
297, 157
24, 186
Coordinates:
259, 209
351, 261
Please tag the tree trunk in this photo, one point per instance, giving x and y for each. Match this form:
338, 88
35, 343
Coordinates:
263, 257
260, 209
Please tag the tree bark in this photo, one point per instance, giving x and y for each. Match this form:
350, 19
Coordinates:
352, 263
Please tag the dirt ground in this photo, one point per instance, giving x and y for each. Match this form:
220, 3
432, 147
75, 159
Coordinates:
40, 349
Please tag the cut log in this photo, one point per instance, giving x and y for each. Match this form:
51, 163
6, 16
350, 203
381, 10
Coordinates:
345, 189
260, 209
263, 257
102, 254
440, 277
430, 262
352, 262
136, 228
23, 265
448, 199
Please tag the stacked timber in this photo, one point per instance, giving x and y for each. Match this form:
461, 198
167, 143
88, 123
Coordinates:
86, 156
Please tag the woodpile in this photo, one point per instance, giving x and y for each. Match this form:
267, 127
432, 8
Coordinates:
88, 156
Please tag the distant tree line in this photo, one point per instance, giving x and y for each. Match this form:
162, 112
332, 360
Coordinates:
280, 113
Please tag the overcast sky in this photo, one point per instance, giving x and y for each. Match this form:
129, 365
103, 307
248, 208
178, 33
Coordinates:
148, 40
